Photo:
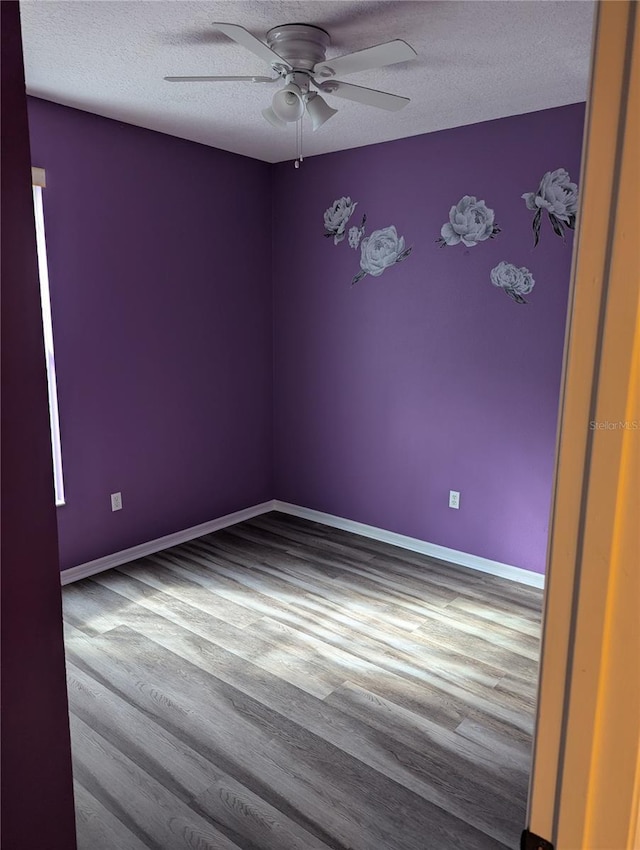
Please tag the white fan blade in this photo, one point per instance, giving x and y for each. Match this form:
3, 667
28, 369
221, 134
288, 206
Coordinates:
244, 38
366, 60
220, 79
371, 97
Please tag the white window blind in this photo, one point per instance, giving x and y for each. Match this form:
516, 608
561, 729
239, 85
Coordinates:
38, 179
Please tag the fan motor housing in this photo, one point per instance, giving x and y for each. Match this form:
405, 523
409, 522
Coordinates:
301, 45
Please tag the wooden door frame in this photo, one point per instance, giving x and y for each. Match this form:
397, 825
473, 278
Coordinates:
585, 782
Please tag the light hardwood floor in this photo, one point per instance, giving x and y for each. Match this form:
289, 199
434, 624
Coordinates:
281, 685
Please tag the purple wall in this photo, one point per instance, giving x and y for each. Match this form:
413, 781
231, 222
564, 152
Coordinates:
392, 392
170, 309
159, 259
37, 794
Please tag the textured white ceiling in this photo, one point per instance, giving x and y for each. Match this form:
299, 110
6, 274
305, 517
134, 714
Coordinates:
476, 61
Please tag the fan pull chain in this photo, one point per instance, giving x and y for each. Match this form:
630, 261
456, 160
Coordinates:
299, 157
301, 126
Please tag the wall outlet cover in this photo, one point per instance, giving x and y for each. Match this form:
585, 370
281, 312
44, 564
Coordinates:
116, 501
454, 499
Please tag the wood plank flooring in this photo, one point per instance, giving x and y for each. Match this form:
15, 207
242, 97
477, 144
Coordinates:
281, 685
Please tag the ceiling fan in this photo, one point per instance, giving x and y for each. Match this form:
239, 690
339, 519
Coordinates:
296, 54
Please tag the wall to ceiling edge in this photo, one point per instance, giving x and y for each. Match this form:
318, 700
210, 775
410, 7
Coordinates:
213, 353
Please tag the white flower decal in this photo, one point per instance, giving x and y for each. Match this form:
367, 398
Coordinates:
336, 218
356, 234
470, 221
515, 281
559, 197
383, 248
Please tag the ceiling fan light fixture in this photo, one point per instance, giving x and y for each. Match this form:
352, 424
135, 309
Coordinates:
273, 119
287, 104
318, 110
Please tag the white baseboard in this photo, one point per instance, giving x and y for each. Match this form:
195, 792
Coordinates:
125, 555
442, 553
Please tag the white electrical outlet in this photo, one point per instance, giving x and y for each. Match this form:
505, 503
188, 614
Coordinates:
454, 499
116, 501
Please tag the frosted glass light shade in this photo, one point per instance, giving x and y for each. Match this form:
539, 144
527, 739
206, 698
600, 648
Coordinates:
272, 118
319, 110
287, 103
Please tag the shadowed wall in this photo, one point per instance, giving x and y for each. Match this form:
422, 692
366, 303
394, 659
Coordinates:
37, 794
160, 261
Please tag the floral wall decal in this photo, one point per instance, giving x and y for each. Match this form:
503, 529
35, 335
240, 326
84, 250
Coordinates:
470, 221
336, 218
356, 234
378, 251
382, 249
559, 197
516, 282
